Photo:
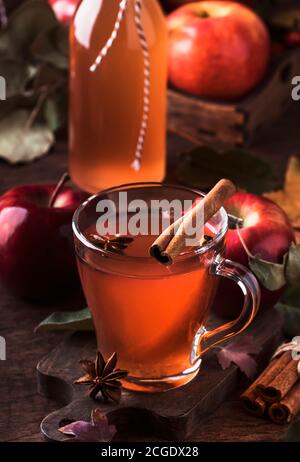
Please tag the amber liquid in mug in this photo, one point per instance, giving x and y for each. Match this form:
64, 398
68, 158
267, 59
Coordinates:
150, 321
106, 106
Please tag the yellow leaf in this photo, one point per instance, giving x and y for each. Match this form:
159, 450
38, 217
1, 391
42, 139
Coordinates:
289, 197
296, 226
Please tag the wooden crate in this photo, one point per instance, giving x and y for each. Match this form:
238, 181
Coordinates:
235, 124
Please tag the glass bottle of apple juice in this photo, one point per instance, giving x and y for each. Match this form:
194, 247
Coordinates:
118, 82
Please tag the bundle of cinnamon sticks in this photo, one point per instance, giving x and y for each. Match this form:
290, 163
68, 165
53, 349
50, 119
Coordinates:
276, 392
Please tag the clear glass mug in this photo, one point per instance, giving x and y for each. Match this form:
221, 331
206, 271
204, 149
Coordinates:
154, 316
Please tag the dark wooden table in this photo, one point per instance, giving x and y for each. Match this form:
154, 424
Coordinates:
21, 408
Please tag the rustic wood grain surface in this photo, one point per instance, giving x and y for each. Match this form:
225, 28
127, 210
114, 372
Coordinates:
21, 408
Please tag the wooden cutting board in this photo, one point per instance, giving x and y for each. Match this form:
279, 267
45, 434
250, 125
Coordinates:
171, 415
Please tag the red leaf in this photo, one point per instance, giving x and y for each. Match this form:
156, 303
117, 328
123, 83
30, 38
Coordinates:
239, 353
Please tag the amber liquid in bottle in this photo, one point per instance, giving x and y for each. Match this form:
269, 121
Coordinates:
106, 106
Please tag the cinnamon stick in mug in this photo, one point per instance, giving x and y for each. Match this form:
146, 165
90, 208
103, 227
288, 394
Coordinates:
172, 241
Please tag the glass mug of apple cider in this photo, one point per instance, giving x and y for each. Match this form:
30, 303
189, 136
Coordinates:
152, 315
118, 91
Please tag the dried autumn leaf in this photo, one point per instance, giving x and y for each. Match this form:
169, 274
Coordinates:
238, 352
96, 431
289, 197
19, 143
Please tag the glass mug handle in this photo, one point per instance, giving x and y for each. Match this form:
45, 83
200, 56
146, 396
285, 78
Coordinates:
204, 340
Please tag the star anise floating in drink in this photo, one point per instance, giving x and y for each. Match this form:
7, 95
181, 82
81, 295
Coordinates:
116, 243
103, 377
205, 239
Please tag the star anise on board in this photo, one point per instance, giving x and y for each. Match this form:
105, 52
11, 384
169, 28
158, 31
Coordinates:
116, 243
103, 377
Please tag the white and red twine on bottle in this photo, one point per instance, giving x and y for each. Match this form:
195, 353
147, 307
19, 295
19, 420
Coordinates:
136, 164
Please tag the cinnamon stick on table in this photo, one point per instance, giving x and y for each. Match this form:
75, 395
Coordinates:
253, 404
277, 388
251, 398
285, 410
172, 241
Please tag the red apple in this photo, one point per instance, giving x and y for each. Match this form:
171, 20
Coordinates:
36, 245
217, 49
64, 9
266, 232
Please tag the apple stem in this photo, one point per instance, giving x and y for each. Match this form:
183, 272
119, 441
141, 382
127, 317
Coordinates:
233, 221
65, 177
204, 14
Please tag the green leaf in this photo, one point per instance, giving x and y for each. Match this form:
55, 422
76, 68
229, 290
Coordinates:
15, 103
17, 75
20, 142
61, 39
291, 316
270, 275
49, 77
25, 23
51, 46
203, 167
292, 269
80, 320
55, 114
274, 276
291, 295
289, 307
